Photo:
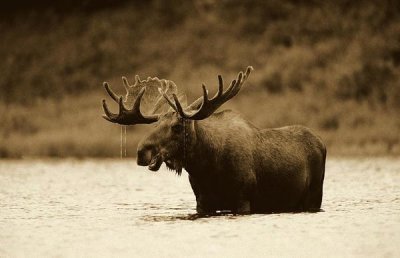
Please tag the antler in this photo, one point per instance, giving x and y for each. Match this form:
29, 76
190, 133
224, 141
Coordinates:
127, 116
209, 106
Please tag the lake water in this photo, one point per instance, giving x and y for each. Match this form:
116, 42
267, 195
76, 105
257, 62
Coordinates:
93, 208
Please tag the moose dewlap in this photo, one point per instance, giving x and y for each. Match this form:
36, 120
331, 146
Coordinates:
232, 165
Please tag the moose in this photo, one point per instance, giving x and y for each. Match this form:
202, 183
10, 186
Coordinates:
232, 165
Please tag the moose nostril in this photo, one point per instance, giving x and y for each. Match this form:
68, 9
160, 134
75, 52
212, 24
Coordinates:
143, 157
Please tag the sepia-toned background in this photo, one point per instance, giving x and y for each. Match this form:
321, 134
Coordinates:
332, 66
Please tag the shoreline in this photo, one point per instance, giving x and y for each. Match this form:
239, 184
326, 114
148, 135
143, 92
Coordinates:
334, 156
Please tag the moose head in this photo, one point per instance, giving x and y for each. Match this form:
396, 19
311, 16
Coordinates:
175, 133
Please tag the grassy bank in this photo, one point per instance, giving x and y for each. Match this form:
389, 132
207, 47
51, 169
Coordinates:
73, 127
334, 67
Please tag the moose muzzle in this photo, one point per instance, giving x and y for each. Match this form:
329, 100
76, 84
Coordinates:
148, 157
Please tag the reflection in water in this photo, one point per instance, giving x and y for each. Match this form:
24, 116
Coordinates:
112, 208
161, 218
194, 216
223, 214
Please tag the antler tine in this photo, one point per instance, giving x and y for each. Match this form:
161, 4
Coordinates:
209, 106
168, 99
220, 86
136, 105
121, 105
125, 116
107, 112
228, 92
205, 93
235, 87
248, 71
126, 83
137, 79
179, 108
110, 92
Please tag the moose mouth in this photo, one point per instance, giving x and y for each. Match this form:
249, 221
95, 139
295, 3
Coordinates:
155, 163
171, 164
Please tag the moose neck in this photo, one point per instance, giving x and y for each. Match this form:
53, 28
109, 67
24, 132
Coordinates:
201, 147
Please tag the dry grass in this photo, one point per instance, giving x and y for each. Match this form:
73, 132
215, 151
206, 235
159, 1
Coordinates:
73, 127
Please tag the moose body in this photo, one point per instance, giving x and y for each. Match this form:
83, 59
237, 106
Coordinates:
233, 165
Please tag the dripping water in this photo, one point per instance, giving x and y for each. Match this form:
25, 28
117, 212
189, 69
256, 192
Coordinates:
125, 141
121, 143
122, 151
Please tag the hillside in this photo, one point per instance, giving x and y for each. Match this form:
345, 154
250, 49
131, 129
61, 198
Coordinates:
333, 67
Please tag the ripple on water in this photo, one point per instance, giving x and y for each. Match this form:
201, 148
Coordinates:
113, 208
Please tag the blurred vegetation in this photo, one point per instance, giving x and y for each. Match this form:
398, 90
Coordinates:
333, 66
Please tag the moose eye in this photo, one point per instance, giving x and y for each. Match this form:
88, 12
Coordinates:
177, 128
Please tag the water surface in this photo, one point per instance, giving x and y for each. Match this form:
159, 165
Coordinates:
71, 208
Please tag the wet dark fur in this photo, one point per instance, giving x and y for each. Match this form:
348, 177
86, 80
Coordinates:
234, 166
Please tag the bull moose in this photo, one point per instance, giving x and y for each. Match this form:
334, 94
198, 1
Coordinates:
232, 165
